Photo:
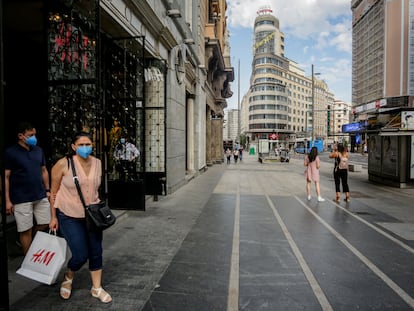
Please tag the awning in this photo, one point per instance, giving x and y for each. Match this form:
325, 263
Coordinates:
395, 133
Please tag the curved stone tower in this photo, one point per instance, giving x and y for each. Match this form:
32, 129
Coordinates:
268, 97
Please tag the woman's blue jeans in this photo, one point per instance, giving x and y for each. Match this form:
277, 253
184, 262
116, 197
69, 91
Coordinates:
83, 243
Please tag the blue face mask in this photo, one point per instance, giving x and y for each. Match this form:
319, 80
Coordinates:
122, 140
84, 151
31, 141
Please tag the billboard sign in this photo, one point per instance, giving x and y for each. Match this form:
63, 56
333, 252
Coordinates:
407, 120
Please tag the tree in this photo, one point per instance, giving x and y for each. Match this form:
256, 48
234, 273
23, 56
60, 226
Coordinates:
242, 139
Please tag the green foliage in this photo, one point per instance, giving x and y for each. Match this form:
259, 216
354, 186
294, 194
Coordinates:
243, 139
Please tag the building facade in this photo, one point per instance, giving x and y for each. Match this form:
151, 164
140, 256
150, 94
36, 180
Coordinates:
382, 86
157, 72
281, 98
323, 99
268, 99
382, 62
339, 115
220, 74
233, 125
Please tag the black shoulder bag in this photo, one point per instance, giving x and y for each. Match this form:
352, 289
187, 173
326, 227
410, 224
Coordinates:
98, 216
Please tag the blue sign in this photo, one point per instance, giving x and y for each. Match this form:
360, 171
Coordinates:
354, 127
358, 139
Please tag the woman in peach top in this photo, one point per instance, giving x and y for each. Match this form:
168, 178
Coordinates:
313, 164
68, 214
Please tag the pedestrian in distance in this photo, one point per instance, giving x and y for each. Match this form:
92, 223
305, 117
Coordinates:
236, 155
228, 155
68, 213
341, 156
313, 163
27, 185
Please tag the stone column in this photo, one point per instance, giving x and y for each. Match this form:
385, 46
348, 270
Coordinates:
217, 140
190, 134
209, 161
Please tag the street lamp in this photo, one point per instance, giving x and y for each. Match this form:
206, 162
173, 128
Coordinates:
238, 104
306, 124
313, 104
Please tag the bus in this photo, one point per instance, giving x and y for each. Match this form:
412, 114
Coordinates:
301, 142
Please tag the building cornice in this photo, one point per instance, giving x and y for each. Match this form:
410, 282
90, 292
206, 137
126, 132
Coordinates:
143, 12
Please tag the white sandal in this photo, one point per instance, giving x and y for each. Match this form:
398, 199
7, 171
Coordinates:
64, 291
105, 298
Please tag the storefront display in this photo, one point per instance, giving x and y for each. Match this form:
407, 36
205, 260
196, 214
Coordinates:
155, 131
123, 95
104, 85
72, 84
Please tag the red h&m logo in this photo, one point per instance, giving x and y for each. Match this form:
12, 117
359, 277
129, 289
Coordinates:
72, 45
43, 257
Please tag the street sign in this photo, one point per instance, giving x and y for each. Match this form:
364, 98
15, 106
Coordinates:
273, 136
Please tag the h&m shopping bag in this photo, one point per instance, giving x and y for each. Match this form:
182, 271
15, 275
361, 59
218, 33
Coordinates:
45, 258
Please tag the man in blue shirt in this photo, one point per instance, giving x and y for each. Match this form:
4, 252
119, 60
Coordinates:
27, 185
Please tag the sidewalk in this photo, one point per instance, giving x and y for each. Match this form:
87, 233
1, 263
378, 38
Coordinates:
139, 248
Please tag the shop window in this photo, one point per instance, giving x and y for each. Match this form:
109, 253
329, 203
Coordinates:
72, 84
123, 107
155, 119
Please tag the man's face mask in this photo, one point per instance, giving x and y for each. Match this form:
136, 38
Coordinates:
31, 140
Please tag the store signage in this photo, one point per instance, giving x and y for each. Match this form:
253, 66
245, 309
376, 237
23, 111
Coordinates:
273, 136
264, 40
371, 106
71, 46
407, 120
354, 127
153, 74
266, 9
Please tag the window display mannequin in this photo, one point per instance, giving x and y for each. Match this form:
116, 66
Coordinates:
114, 137
125, 156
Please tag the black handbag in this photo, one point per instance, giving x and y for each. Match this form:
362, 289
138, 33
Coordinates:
98, 216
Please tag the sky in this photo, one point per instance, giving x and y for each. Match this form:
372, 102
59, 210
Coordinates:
317, 32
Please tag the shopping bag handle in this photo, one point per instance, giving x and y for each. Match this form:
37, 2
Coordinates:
54, 232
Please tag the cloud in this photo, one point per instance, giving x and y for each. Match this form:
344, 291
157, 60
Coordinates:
302, 19
342, 39
317, 32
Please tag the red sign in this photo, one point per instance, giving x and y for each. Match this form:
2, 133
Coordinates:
72, 45
274, 136
43, 256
